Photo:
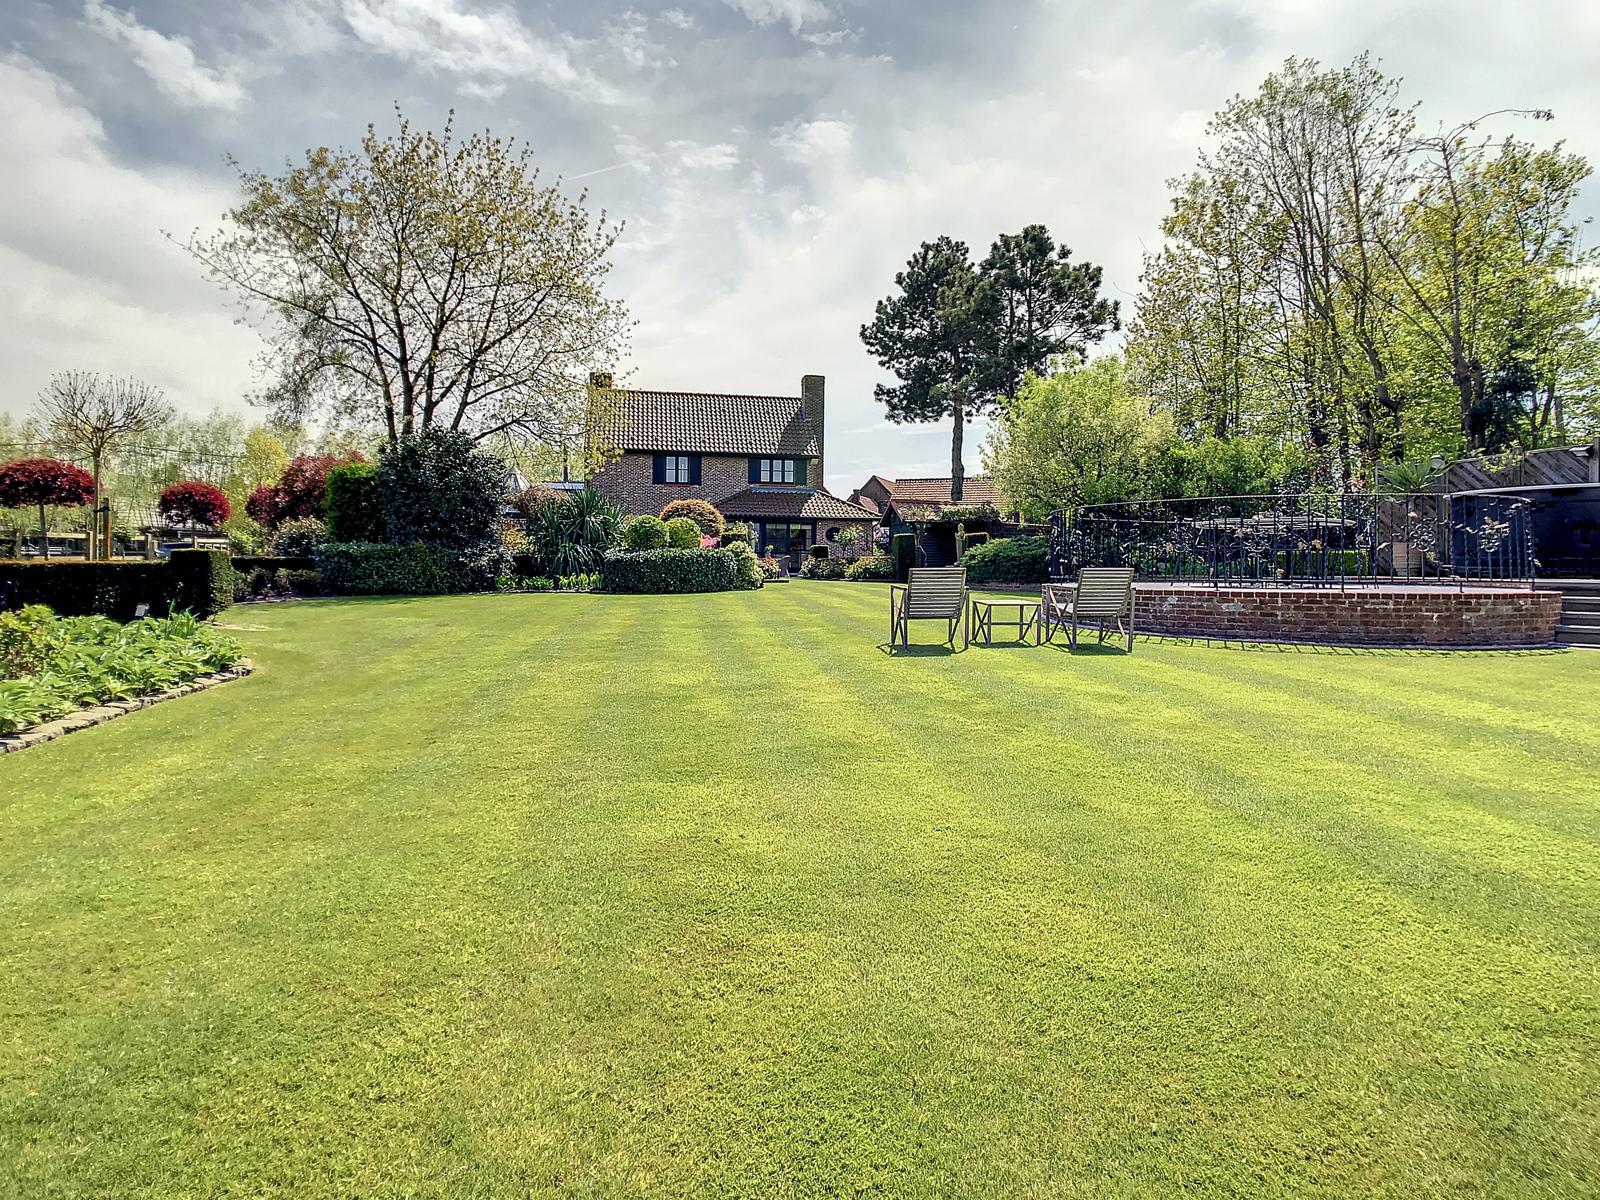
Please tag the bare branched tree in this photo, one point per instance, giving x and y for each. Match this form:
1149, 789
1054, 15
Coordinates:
423, 281
89, 414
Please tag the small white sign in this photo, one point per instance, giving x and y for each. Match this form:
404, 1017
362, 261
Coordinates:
142, 610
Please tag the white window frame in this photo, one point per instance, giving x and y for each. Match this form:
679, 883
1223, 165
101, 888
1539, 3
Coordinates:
777, 470
676, 469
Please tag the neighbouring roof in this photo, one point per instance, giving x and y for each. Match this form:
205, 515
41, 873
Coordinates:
709, 423
801, 503
976, 489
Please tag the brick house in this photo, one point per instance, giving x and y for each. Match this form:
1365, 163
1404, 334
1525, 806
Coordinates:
757, 458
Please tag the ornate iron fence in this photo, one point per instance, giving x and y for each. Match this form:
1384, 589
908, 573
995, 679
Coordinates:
1308, 540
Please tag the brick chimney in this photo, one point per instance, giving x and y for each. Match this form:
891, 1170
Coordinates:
812, 404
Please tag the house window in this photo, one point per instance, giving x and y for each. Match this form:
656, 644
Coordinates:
777, 470
677, 468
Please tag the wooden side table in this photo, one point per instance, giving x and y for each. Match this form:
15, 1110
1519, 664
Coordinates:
1025, 618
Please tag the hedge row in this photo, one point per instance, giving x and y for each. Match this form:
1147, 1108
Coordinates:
197, 581
676, 571
415, 569
1008, 560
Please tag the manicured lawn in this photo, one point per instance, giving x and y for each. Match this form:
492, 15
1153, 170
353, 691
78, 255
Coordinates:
710, 897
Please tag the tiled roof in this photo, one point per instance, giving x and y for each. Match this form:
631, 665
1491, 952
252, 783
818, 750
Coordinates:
976, 489
709, 423
801, 503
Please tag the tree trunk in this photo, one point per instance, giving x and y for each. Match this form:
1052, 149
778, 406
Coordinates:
957, 471
91, 547
44, 532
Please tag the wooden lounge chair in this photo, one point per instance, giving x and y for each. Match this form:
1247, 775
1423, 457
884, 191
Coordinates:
929, 594
1101, 595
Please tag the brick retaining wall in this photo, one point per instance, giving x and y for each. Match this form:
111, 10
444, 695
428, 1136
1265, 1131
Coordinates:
1368, 616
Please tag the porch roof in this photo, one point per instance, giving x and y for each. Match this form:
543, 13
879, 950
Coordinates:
805, 504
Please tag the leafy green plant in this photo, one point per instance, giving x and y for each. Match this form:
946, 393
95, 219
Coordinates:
645, 533
55, 665
568, 537
439, 488
354, 512
683, 534
822, 568
1008, 560
299, 538
719, 570
873, 566
703, 513
380, 569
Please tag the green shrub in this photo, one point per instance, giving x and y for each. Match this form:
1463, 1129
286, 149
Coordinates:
1008, 560
817, 551
670, 571
873, 566
701, 512
353, 511
645, 533
69, 662
747, 572
683, 534
903, 549
770, 570
437, 487
822, 568
416, 569
299, 538
735, 531
569, 535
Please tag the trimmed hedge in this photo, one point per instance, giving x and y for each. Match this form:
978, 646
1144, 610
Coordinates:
202, 581
245, 563
873, 566
353, 511
199, 581
380, 569
1008, 560
643, 572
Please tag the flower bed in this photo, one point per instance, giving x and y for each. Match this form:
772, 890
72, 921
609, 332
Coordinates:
51, 667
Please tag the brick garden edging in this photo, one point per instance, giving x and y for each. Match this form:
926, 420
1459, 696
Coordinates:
1385, 615
99, 714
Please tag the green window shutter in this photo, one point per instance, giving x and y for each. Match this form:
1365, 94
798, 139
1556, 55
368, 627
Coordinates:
659, 469
755, 470
800, 471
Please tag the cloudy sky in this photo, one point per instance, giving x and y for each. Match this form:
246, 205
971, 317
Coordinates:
775, 161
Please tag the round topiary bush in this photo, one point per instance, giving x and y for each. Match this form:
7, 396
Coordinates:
701, 512
683, 534
646, 533
299, 538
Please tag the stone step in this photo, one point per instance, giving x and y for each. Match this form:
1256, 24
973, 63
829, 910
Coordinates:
1581, 604
1578, 635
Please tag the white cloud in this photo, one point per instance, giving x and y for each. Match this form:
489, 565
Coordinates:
718, 157
793, 13
90, 280
629, 37
485, 48
812, 142
169, 61
675, 17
